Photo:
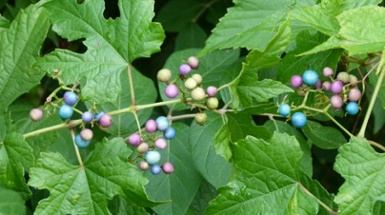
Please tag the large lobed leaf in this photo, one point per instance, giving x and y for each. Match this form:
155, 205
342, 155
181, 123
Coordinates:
111, 44
269, 181
19, 49
11, 202
85, 189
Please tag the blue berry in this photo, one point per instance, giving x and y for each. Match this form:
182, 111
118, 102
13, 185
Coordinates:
169, 133
153, 157
80, 142
298, 119
87, 117
65, 111
156, 169
162, 123
352, 108
70, 98
310, 77
98, 115
284, 110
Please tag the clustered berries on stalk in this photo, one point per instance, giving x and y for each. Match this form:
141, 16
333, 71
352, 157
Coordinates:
341, 90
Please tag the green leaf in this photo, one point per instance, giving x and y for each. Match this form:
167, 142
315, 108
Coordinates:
19, 49
119, 206
361, 32
267, 173
363, 170
15, 156
111, 44
4, 23
205, 194
180, 187
323, 136
11, 202
85, 189
213, 167
191, 36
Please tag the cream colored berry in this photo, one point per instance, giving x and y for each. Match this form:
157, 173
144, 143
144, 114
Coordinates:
190, 83
164, 75
200, 118
212, 103
198, 78
198, 94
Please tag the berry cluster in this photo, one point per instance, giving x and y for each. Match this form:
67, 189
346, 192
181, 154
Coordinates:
192, 85
341, 90
155, 136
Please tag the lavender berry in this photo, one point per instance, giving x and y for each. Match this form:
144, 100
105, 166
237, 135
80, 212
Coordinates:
134, 139
150, 126
105, 120
70, 98
184, 69
296, 81
336, 87
87, 117
211, 91
171, 91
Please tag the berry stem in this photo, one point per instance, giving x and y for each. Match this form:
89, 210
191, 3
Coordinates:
131, 83
184, 116
69, 124
76, 148
304, 189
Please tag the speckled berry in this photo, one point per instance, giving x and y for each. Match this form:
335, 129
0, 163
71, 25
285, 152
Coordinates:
336, 87
80, 142
162, 123
310, 77
36, 114
143, 165
105, 120
160, 143
153, 157
200, 118
296, 81
65, 111
87, 134
336, 101
328, 72
298, 119
98, 115
169, 133
284, 110
87, 117
168, 168
353, 80
164, 75
143, 148
326, 85
354, 94
70, 98
156, 169
344, 77
151, 126
134, 139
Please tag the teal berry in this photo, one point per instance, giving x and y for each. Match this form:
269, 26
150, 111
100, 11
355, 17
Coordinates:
310, 77
169, 133
298, 119
153, 157
284, 110
98, 115
65, 111
70, 98
162, 123
80, 142
156, 169
352, 108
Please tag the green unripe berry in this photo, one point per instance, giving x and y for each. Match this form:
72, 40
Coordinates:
200, 118
353, 80
190, 83
344, 77
198, 94
164, 75
198, 78
212, 103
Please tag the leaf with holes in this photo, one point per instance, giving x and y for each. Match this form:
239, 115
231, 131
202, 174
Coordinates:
111, 44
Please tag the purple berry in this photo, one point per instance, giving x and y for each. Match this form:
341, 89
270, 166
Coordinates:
193, 62
336, 101
318, 85
328, 72
336, 87
354, 94
168, 168
134, 139
296, 81
86, 134
36, 114
171, 91
184, 69
211, 91
151, 126
326, 85
70, 98
105, 120
160, 143
87, 117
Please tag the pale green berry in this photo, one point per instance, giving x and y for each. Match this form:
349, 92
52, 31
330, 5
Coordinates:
198, 78
200, 118
344, 77
353, 80
164, 75
198, 94
212, 103
190, 83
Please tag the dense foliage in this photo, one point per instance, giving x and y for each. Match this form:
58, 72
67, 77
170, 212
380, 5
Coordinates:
192, 107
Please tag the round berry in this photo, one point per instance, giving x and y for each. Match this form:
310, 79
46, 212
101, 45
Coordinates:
184, 69
87, 117
212, 103
105, 120
80, 142
326, 85
318, 85
153, 157
169, 133
354, 94
198, 94
98, 115
190, 83
150, 126
171, 91
134, 139
143, 165
336, 87
36, 114
310, 77
353, 80
168, 168
284, 110
352, 108
162, 123
86, 134
198, 78
298, 119
70, 98
193, 62
65, 111
211, 91
328, 72
344, 77
200, 118
296, 81
155, 169
336, 101
143, 148
160, 143
164, 75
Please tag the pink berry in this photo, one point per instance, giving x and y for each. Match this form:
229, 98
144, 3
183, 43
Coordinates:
211, 91
171, 91
160, 143
86, 134
354, 94
336, 101
105, 120
168, 168
134, 139
193, 62
326, 85
296, 81
184, 69
318, 85
151, 126
336, 87
328, 72
36, 114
